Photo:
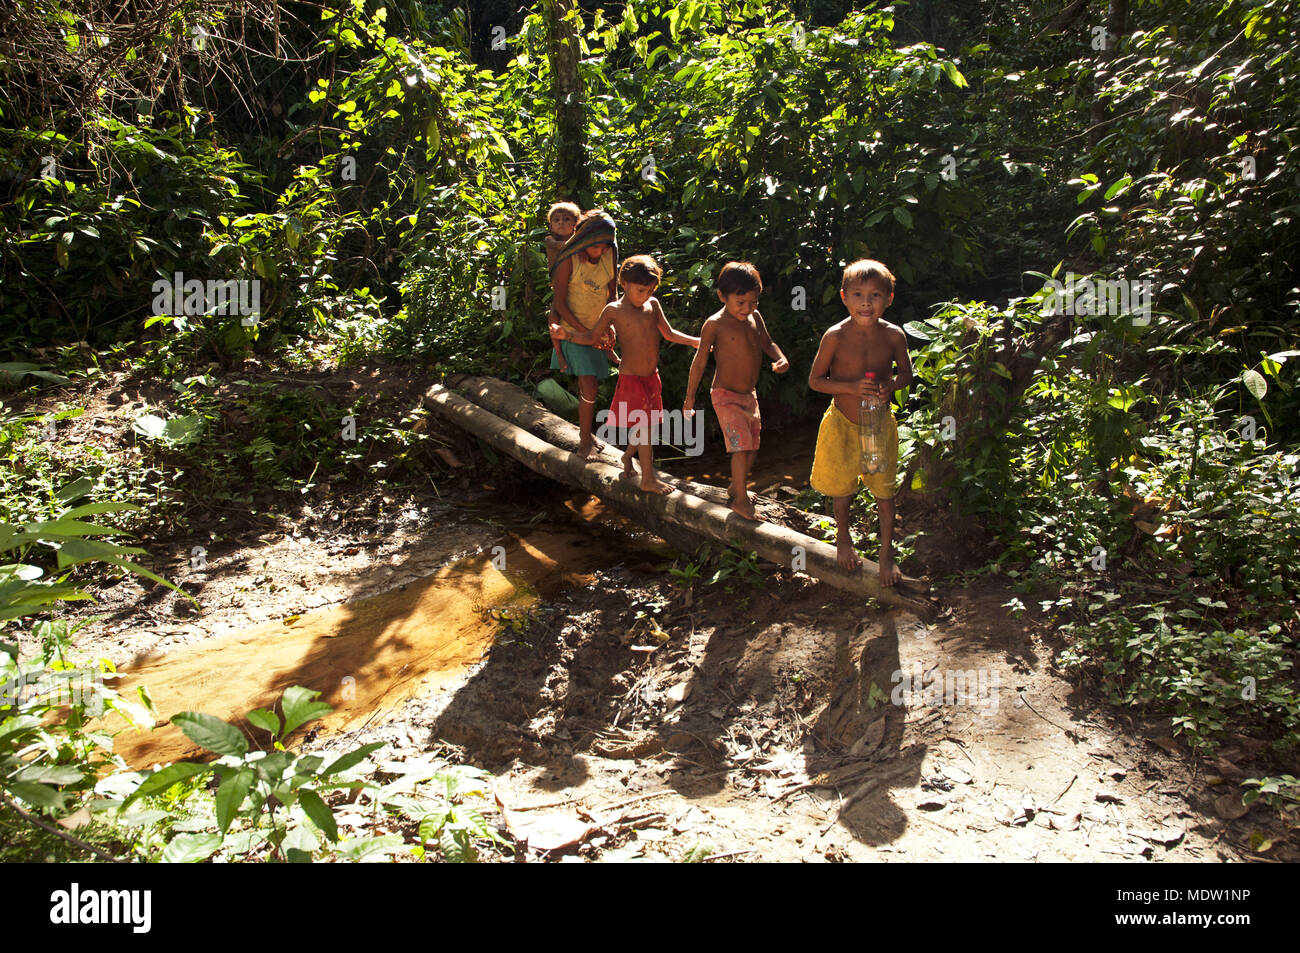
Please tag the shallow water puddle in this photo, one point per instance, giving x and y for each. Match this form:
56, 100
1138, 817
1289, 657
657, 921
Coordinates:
362, 656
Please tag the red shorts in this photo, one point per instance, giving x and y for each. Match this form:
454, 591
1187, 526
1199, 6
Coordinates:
638, 403
739, 418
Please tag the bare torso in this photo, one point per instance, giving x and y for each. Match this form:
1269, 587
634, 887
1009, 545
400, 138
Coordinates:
858, 351
737, 352
638, 336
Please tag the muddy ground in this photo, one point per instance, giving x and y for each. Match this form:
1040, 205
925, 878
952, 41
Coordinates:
625, 715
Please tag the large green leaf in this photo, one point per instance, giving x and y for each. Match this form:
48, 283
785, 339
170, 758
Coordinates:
319, 813
299, 708
212, 733
190, 848
50, 774
91, 509
78, 550
75, 528
13, 371
164, 778
176, 432
1255, 383
76, 489
351, 759
271, 768
38, 795
230, 796
370, 848
431, 825
266, 720
457, 846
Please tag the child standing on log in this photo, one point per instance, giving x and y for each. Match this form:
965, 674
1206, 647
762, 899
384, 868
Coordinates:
738, 338
638, 399
860, 345
562, 220
582, 278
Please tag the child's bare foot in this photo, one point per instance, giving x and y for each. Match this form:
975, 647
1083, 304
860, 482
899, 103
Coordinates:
629, 471
656, 485
889, 572
743, 506
844, 554
587, 449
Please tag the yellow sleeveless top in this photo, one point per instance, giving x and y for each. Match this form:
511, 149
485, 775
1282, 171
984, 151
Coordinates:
589, 286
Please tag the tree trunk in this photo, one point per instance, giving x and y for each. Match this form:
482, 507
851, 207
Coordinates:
572, 174
678, 512
513, 404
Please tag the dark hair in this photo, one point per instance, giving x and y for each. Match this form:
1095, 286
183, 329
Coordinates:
640, 270
739, 277
867, 269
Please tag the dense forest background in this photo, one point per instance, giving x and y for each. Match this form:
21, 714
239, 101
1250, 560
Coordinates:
382, 168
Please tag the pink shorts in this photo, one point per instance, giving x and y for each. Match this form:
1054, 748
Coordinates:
638, 402
739, 418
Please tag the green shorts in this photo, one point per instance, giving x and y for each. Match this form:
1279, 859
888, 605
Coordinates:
583, 361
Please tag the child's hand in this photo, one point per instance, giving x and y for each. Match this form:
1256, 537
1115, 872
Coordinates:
781, 366
688, 407
868, 388
558, 332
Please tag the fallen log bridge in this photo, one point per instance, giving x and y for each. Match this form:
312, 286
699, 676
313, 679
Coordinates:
683, 514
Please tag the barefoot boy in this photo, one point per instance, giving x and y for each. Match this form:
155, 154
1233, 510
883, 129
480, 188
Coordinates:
738, 338
638, 399
860, 344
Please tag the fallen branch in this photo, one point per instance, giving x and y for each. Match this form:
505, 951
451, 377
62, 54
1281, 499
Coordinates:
678, 513
512, 403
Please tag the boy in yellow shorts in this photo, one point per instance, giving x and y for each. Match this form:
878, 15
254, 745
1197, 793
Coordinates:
863, 343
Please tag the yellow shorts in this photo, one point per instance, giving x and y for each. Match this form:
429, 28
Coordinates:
835, 469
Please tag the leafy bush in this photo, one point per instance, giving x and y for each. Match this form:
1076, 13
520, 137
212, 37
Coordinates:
49, 745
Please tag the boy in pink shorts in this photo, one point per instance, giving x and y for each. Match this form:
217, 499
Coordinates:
738, 338
638, 403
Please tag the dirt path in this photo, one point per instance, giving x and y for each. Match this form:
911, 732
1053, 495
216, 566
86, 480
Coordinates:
773, 723
764, 735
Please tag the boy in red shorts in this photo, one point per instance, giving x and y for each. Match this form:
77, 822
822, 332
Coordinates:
738, 338
638, 398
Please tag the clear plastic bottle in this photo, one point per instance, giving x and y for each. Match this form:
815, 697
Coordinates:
871, 431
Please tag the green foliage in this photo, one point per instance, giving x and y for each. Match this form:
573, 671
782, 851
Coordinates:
1195, 178
449, 823
272, 798
277, 804
732, 566
49, 744
1162, 531
1282, 792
